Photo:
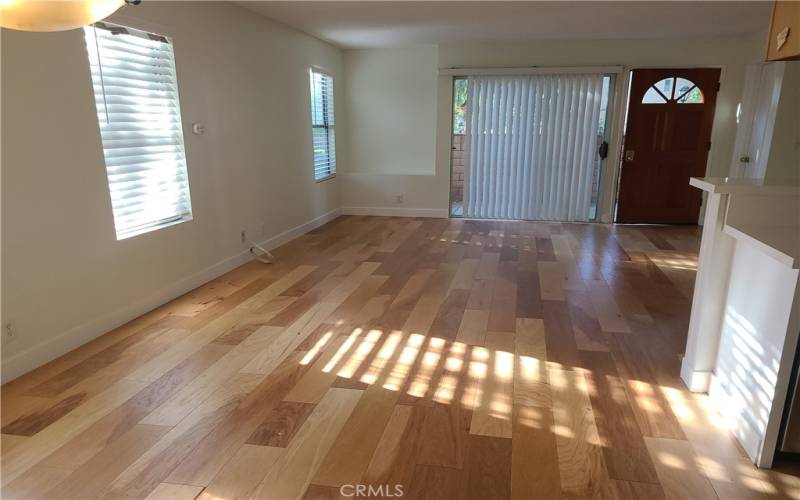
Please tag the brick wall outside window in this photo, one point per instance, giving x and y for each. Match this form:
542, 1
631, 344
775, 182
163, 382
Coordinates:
457, 176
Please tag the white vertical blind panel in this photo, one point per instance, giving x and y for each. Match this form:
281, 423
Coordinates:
322, 124
530, 146
136, 93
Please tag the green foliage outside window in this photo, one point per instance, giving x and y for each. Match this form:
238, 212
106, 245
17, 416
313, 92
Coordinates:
459, 106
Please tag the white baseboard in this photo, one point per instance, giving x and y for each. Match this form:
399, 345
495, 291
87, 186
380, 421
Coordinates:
733, 411
695, 380
300, 230
35, 356
438, 213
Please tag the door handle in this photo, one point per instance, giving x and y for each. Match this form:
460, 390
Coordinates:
629, 155
602, 151
744, 159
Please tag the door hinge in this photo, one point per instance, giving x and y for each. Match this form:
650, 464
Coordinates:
709, 146
719, 84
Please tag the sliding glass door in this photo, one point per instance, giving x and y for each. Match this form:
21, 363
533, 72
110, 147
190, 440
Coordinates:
529, 146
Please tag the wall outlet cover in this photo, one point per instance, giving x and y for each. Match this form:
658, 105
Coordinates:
9, 331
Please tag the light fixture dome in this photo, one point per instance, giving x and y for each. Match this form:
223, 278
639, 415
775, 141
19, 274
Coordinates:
54, 15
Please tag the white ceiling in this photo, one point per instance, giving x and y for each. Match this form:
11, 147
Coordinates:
387, 24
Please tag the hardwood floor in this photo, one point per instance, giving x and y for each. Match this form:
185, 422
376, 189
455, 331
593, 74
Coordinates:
443, 358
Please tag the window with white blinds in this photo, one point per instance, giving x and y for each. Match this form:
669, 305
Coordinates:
322, 125
136, 92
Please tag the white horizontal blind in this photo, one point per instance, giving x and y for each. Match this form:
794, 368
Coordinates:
136, 92
530, 146
322, 125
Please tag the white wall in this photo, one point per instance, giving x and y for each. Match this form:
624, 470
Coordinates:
431, 194
783, 164
391, 110
65, 276
756, 349
390, 96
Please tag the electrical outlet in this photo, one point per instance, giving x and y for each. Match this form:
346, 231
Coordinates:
244, 236
399, 199
9, 331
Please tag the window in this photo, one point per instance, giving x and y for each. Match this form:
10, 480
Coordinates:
322, 125
136, 93
678, 89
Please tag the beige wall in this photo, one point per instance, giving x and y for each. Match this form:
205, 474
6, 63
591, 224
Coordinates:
65, 276
431, 194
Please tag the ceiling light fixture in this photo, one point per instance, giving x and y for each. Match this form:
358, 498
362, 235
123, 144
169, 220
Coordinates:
55, 15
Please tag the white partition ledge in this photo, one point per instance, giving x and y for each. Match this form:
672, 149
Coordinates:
779, 242
725, 185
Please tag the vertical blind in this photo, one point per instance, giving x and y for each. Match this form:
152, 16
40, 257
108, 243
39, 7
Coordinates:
322, 125
531, 145
136, 93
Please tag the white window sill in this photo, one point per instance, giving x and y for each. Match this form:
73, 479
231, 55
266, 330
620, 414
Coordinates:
148, 229
323, 179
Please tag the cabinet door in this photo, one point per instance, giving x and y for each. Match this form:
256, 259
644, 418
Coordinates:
784, 31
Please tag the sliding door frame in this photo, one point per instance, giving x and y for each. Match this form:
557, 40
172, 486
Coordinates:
608, 171
608, 132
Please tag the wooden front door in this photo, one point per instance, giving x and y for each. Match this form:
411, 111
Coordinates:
667, 140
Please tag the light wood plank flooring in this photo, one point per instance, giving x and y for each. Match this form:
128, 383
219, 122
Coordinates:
437, 358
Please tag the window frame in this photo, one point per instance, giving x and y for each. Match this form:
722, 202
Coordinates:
181, 165
329, 126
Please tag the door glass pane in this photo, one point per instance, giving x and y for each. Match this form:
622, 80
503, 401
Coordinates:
665, 87
659, 92
686, 92
459, 110
457, 151
682, 85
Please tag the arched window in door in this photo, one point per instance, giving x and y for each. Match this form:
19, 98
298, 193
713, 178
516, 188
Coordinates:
673, 89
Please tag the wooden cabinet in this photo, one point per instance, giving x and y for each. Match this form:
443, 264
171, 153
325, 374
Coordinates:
784, 31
